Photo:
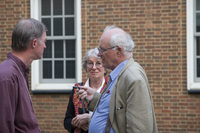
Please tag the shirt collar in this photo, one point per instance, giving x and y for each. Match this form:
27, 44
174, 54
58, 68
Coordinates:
117, 70
99, 89
19, 63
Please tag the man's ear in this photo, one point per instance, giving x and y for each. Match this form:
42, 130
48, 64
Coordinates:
119, 50
33, 43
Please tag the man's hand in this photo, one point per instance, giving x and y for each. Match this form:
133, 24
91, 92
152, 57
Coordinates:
85, 92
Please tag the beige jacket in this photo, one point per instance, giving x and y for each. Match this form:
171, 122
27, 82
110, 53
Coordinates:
131, 106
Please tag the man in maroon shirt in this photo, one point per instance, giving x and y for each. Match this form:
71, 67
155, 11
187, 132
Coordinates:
16, 110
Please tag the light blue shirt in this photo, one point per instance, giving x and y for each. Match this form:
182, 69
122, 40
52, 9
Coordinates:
100, 116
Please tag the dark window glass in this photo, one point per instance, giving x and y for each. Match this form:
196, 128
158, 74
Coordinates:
70, 48
198, 4
57, 26
198, 22
198, 67
198, 46
69, 26
58, 48
69, 7
48, 50
58, 69
47, 22
70, 69
47, 69
57, 7
46, 7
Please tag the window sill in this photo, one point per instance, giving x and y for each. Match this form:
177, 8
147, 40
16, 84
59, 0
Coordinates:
194, 88
52, 88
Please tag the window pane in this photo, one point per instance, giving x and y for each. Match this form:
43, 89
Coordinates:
57, 7
198, 68
57, 26
48, 50
47, 22
70, 48
198, 46
58, 69
198, 22
69, 7
70, 69
46, 7
47, 69
59, 57
198, 4
58, 45
69, 26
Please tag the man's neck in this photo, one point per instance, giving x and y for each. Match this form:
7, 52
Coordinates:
120, 60
23, 56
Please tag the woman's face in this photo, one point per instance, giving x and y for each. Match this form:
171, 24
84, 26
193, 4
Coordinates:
95, 69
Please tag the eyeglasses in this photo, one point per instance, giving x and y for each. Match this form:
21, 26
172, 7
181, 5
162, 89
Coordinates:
103, 50
91, 64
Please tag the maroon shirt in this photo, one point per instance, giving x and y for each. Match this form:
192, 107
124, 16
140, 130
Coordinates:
16, 110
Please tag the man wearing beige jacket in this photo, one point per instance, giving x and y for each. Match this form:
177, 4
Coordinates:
126, 106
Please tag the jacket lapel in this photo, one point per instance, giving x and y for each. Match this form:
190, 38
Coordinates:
113, 94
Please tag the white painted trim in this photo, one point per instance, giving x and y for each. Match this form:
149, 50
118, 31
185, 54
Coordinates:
79, 48
34, 9
191, 84
35, 83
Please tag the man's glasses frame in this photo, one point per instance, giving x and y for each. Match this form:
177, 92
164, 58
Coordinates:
103, 50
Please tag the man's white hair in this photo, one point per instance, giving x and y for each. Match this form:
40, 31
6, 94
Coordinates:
122, 39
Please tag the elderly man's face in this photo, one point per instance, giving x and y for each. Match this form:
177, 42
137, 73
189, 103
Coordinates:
107, 53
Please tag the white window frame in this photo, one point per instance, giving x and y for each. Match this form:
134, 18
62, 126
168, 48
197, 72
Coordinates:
192, 85
38, 87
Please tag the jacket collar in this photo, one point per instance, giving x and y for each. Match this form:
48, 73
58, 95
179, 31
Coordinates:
113, 95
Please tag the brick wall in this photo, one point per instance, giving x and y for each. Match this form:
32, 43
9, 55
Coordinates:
158, 28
